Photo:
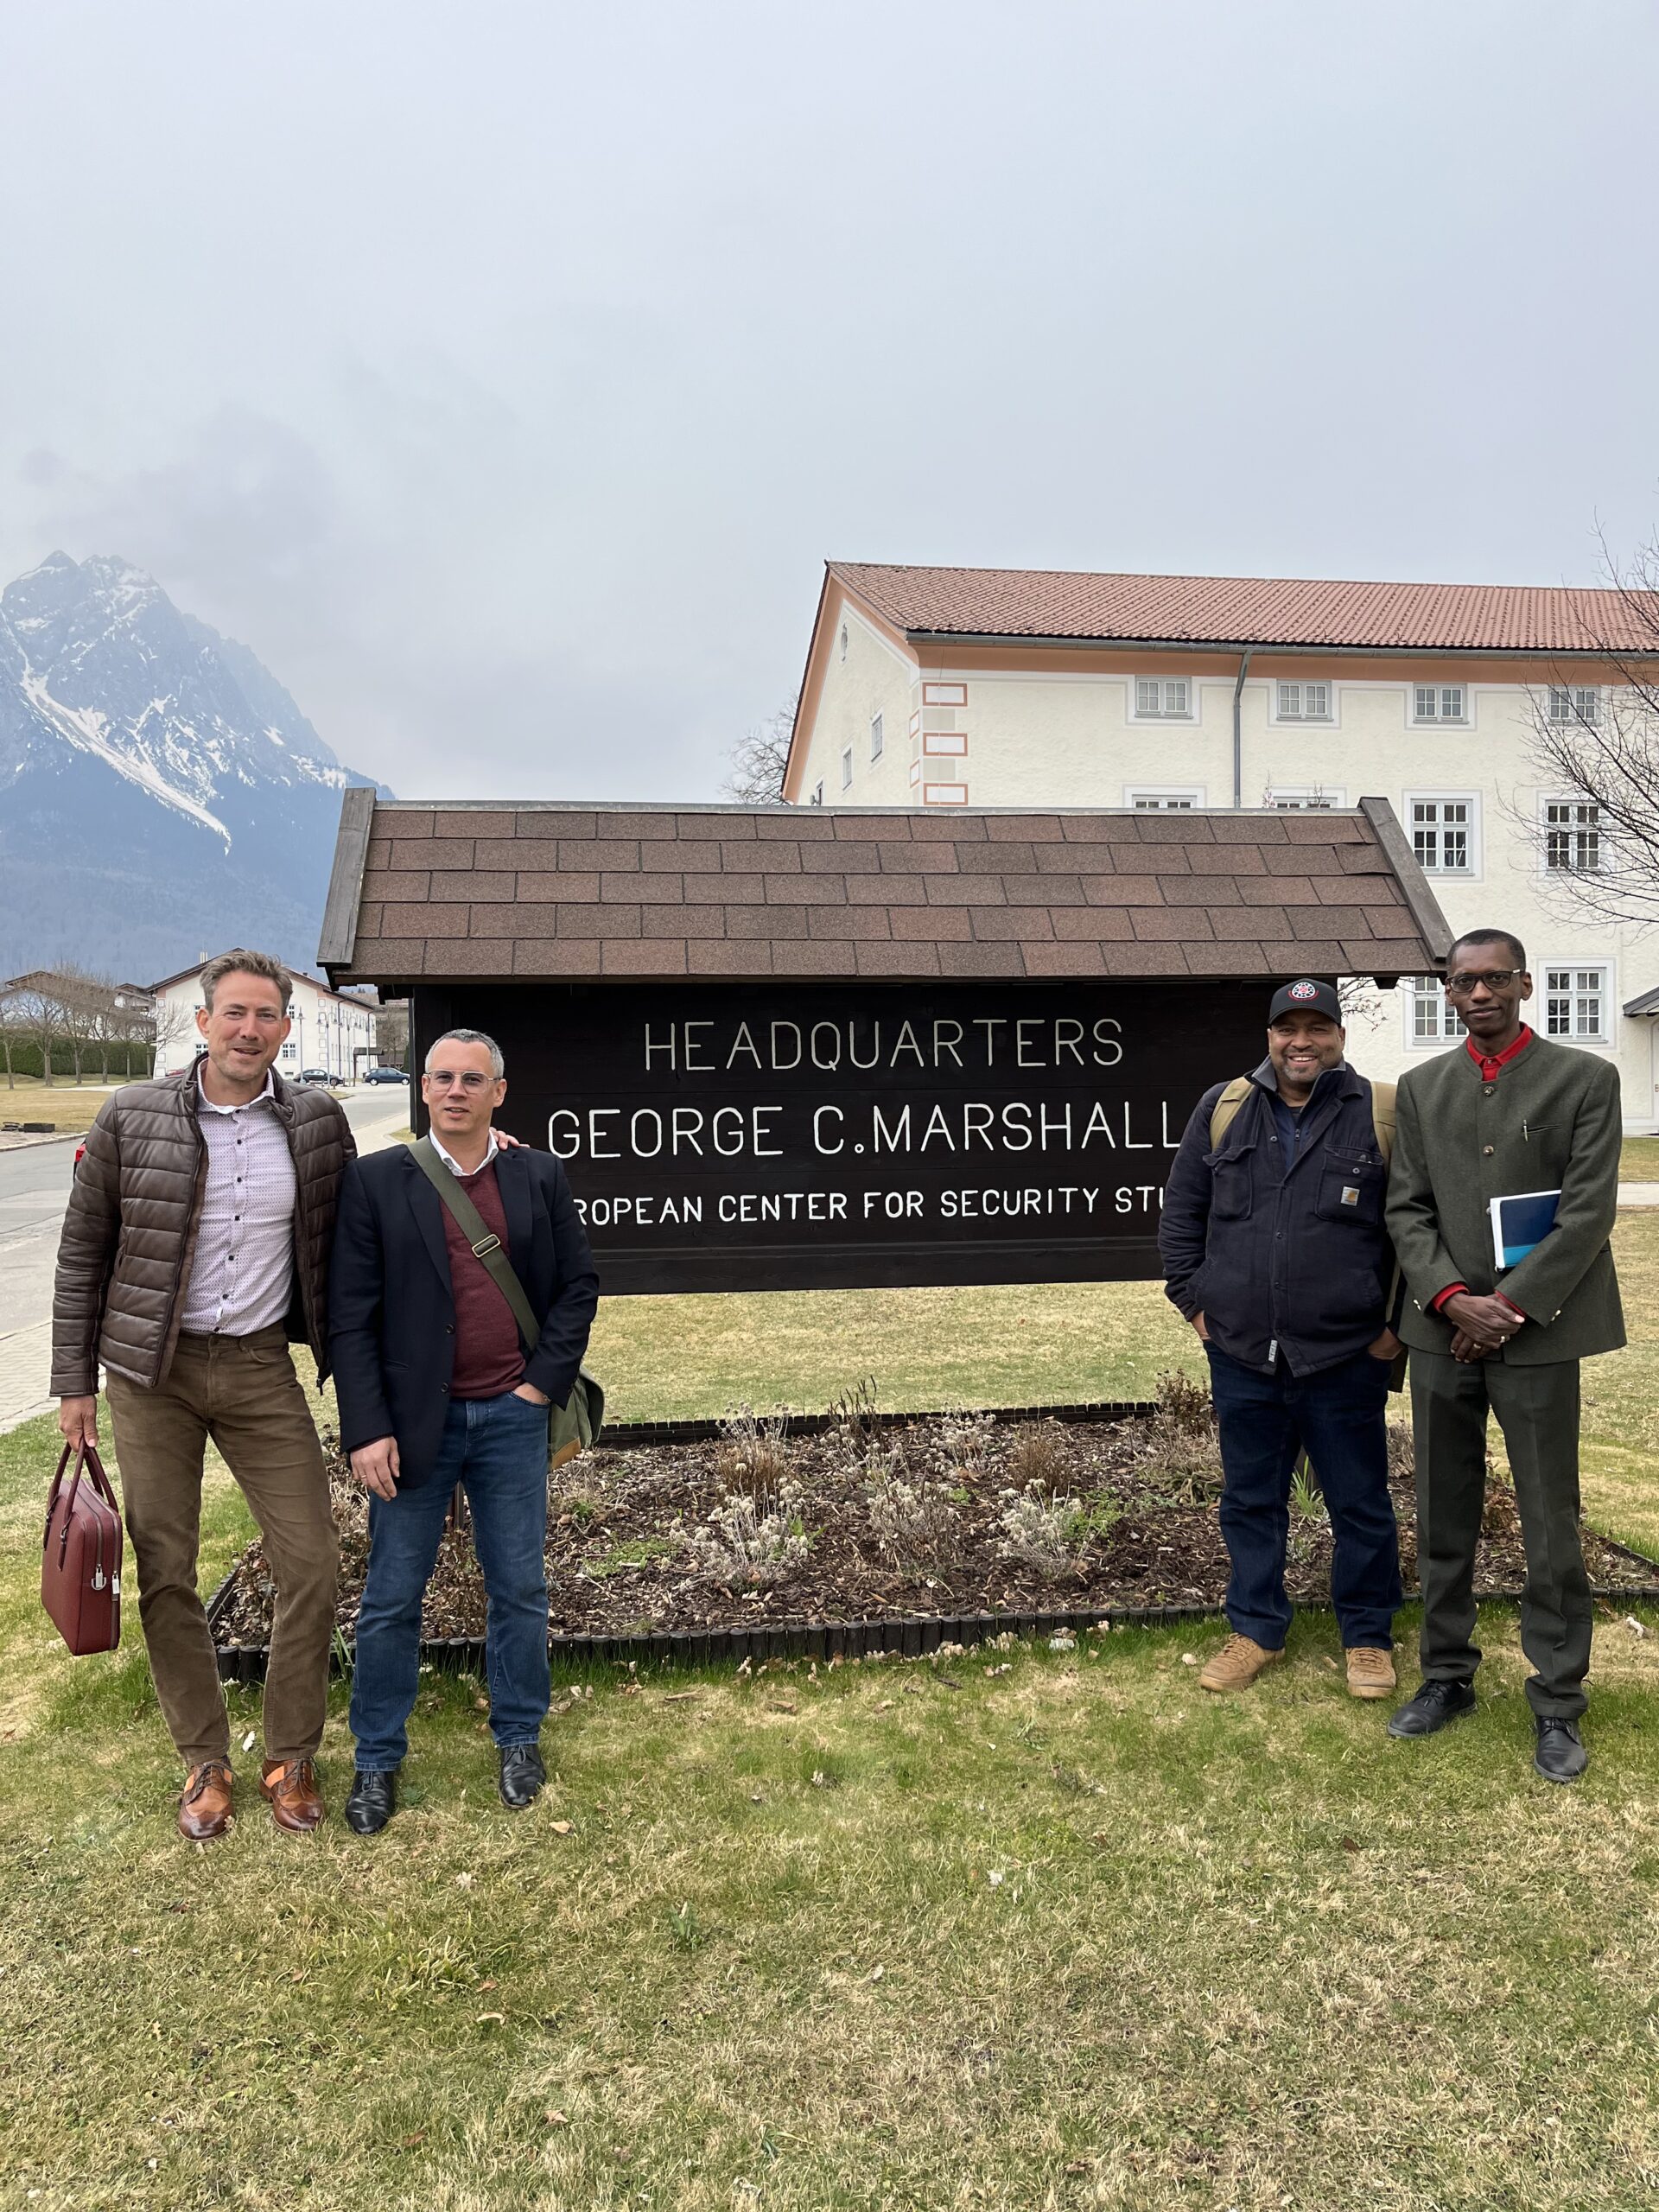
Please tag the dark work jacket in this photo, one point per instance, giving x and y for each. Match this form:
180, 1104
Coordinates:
1277, 1261
392, 1310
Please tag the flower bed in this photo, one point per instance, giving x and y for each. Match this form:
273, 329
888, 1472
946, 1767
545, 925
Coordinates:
754, 1524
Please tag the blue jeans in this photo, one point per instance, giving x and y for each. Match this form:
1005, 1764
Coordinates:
1339, 1419
497, 1448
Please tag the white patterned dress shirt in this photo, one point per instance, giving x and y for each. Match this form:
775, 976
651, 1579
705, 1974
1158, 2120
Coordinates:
242, 1278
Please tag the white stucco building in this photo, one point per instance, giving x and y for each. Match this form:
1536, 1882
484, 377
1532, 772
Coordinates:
330, 1029
1014, 687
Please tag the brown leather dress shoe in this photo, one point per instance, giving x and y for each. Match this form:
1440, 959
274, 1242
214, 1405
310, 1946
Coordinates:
290, 1786
205, 1807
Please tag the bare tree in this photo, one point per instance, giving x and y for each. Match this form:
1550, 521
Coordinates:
759, 758
391, 1033
1595, 751
35, 1006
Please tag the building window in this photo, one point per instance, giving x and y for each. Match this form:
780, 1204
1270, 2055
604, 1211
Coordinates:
817, 798
1573, 840
844, 641
875, 737
1163, 698
1575, 1004
1439, 702
290, 1050
1578, 702
1433, 1022
1165, 802
1304, 702
846, 766
1313, 801
1442, 836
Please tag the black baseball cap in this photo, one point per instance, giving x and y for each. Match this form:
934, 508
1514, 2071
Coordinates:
1305, 996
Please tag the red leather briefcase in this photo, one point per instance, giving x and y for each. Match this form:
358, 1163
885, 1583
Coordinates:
80, 1565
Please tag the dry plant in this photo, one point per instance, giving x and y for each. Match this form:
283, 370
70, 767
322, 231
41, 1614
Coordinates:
1042, 1531
1036, 1458
1180, 1446
967, 1439
852, 1415
752, 1454
750, 1541
915, 1522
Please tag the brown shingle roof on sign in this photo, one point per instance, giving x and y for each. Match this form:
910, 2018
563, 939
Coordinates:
887, 893
1060, 604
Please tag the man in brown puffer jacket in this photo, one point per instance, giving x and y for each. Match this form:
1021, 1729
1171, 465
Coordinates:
195, 1245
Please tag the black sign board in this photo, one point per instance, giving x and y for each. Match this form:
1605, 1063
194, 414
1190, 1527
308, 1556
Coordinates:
764, 1136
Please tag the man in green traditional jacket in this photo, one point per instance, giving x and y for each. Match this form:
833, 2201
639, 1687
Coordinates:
1506, 1113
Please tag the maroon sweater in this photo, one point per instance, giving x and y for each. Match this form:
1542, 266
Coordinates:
489, 1356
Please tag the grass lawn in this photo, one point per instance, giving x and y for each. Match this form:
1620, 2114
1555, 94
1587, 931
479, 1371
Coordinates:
1638, 1160
1062, 1933
66, 1104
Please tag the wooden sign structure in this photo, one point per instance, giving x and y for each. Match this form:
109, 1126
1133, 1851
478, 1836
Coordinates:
805, 1049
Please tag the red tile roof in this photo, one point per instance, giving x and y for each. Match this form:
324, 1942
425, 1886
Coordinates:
1254, 610
550, 891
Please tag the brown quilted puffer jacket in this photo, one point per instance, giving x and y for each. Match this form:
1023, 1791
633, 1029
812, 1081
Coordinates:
130, 1234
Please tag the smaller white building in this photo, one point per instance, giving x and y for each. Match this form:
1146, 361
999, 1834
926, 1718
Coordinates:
332, 1030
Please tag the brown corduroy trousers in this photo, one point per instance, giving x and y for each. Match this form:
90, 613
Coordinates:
242, 1392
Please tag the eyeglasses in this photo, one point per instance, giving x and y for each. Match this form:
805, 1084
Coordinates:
441, 1079
1496, 979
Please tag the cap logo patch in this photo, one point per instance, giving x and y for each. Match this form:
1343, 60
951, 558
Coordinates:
1304, 991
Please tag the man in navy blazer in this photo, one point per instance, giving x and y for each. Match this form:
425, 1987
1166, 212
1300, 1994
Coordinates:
436, 1388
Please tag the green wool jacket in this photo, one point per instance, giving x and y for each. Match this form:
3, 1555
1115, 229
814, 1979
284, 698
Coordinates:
1550, 1122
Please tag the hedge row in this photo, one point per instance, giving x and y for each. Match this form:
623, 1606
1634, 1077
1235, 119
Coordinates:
124, 1063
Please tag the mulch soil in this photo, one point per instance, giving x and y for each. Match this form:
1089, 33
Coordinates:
630, 1548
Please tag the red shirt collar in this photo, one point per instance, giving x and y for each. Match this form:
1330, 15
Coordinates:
1491, 1067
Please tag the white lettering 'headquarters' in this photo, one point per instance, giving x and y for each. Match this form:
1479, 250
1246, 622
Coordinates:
243, 1275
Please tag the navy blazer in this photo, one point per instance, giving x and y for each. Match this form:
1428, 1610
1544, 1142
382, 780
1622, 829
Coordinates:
391, 1310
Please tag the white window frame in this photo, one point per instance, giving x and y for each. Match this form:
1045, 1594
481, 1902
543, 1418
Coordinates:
1449, 1031
1163, 797
877, 740
1140, 714
1304, 798
1476, 870
1575, 710
1573, 969
1296, 716
846, 767
1436, 718
1547, 828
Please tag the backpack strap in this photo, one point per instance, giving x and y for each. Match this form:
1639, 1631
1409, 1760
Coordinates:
1224, 1113
1383, 1116
487, 1245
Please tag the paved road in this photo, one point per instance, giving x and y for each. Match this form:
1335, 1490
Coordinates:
34, 1193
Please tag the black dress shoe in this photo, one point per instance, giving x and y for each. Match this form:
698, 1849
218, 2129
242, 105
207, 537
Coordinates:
371, 1803
1561, 1756
523, 1775
1435, 1704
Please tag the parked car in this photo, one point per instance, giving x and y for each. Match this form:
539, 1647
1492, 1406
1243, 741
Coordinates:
315, 1076
387, 1075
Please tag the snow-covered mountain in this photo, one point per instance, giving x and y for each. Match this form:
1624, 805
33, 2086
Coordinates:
160, 794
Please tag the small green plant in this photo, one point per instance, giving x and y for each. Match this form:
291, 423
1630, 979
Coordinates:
638, 1551
685, 1931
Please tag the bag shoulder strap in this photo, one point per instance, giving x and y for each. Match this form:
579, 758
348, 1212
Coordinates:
1383, 1114
487, 1245
1225, 1111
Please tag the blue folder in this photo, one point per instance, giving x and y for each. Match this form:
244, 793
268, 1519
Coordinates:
1521, 1222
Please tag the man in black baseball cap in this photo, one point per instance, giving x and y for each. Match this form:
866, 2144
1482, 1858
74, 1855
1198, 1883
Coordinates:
1275, 1248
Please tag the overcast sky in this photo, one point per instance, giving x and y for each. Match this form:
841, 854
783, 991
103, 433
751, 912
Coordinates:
503, 375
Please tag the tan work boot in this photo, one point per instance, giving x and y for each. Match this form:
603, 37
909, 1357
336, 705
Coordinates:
1370, 1672
1237, 1663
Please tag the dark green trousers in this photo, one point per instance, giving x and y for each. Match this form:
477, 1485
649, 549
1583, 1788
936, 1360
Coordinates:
1537, 1409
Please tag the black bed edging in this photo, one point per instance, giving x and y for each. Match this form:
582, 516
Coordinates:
907, 1636
630, 1435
